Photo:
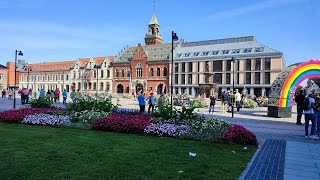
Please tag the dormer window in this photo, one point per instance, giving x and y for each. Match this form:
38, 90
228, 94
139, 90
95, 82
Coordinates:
205, 53
247, 50
236, 51
178, 55
259, 49
215, 53
196, 54
186, 54
225, 52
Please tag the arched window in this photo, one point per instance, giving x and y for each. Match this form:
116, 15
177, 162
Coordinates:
139, 70
108, 86
117, 72
94, 86
94, 74
165, 71
122, 72
101, 86
101, 74
158, 72
108, 73
128, 72
74, 74
151, 72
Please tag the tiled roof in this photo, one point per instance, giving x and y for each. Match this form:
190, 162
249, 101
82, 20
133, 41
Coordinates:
241, 46
154, 53
3, 67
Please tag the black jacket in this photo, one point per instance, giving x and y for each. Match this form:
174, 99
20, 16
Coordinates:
299, 99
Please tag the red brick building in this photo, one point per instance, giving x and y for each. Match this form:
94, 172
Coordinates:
143, 67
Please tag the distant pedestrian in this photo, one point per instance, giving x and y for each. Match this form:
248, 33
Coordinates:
3, 94
142, 102
64, 96
151, 102
77, 97
238, 100
309, 116
299, 99
212, 103
42, 94
57, 95
73, 95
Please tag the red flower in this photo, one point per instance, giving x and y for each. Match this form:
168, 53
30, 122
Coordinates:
240, 135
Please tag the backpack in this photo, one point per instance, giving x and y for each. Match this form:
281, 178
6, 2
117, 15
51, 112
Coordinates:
305, 104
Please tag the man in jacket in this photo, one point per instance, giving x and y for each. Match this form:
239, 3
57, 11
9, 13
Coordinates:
299, 99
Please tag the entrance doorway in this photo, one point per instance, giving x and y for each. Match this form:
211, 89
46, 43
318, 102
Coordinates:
120, 88
139, 87
161, 89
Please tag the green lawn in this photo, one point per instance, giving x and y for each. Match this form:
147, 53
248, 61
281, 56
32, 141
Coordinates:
35, 152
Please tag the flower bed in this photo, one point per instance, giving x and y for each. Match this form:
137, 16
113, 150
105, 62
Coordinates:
165, 129
240, 135
127, 123
16, 116
45, 119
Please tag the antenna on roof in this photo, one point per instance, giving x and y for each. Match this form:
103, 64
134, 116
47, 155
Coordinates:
154, 5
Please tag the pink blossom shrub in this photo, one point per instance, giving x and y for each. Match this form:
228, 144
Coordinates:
127, 123
240, 135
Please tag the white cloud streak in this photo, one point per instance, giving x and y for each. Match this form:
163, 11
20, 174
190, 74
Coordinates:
250, 8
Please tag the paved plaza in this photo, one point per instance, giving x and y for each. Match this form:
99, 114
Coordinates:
283, 152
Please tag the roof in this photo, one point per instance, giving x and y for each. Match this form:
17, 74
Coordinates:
3, 67
156, 52
154, 19
239, 46
62, 65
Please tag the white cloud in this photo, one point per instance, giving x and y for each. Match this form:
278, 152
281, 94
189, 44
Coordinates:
250, 8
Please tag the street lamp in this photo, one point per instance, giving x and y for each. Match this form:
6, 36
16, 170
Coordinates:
28, 69
97, 76
130, 80
17, 53
174, 37
233, 60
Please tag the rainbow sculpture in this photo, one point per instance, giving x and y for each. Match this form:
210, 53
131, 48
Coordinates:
305, 70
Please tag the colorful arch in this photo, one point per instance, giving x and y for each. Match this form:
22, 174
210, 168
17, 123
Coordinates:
310, 69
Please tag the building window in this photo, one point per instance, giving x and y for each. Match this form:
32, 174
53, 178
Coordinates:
235, 51
228, 78
101, 74
117, 72
183, 67
257, 78
176, 77
238, 65
225, 52
139, 70
217, 78
247, 50
178, 55
79, 74
215, 53
108, 73
67, 77
128, 72
122, 72
62, 77
248, 64
94, 74
267, 63
196, 54
183, 90
267, 77
204, 53
151, 72
176, 67
108, 86
217, 65
94, 86
165, 71
1, 76
190, 91
228, 67
238, 78
183, 79
259, 49
186, 54
101, 86
248, 77
74, 75
189, 78
258, 64
158, 72
190, 66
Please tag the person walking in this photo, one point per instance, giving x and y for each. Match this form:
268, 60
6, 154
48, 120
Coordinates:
299, 99
64, 96
316, 110
309, 116
238, 99
142, 102
77, 97
212, 103
3, 94
52, 96
56, 95
10, 93
223, 102
151, 101
73, 95
42, 94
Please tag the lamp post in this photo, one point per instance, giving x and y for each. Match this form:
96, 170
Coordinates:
233, 60
174, 37
28, 69
130, 80
97, 76
17, 53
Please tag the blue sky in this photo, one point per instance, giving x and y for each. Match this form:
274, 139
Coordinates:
47, 30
